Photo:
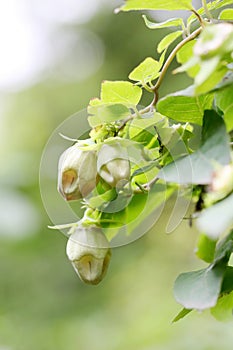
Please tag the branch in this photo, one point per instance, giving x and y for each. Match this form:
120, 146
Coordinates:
169, 61
200, 19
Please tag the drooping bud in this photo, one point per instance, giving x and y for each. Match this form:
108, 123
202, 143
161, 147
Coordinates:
77, 173
113, 165
89, 252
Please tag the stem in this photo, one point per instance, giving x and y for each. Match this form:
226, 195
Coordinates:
207, 12
142, 189
149, 184
125, 121
200, 19
167, 64
170, 59
147, 88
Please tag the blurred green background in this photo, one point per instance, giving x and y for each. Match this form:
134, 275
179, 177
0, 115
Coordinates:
54, 57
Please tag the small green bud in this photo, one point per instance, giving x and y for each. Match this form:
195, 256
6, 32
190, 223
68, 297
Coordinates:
113, 165
89, 252
77, 173
102, 132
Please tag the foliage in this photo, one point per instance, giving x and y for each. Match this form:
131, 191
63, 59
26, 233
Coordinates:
143, 155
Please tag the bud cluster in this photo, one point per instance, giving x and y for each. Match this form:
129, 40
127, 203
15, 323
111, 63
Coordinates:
79, 172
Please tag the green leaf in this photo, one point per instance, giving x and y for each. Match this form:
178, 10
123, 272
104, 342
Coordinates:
170, 138
224, 308
156, 5
184, 312
224, 101
142, 130
138, 125
120, 92
125, 143
207, 69
226, 81
174, 140
183, 106
226, 14
191, 64
212, 80
224, 249
210, 74
198, 167
143, 136
205, 248
144, 175
217, 219
148, 167
116, 99
146, 71
100, 200
183, 56
227, 285
173, 22
220, 3
168, 40
107, 113
199, 289
138, 216
139, 219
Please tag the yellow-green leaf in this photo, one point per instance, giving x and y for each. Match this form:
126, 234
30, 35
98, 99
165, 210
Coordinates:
226, 14
146, 71
223, 310
173, 22
156, 5
120, 92
168, 40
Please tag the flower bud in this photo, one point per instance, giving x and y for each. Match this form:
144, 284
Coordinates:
214, 40
89, 252
77, 173
113, 165
222, 181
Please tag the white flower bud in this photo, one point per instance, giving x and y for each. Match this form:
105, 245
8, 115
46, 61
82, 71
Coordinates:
89, 252
215, 39
77, 173
113, 165
223, 180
